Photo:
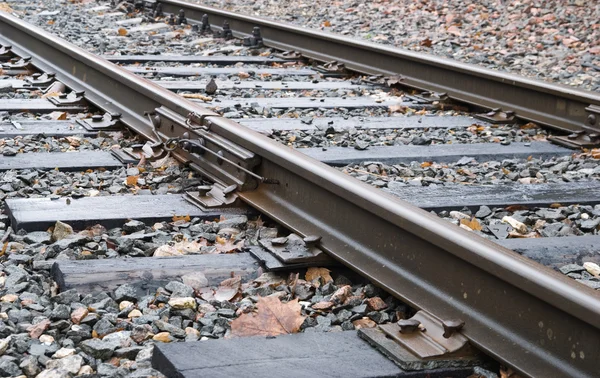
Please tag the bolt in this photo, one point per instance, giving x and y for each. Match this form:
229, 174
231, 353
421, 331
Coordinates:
226, 32
509, 113
203, 190
97, 118
591, 119
181, 18
62, 96
158, 12
451, 326
204, 24
408, 325
311, 240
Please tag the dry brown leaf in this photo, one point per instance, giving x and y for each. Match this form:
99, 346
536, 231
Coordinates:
58, 116
397, 109
508, 373
318, 276
326, 23
243, 75
4, 7
74, 141
122, 31
426, 164
177, 218
132, 180
197, 96
364, 323
426, 42
51, 94
555, 205
228, 289
227, 245
514, 208
473, 224
272, 318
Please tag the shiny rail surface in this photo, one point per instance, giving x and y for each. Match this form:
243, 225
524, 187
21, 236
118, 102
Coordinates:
515, 310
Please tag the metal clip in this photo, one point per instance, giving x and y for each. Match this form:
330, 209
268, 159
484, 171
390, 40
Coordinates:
333, 67
216, 195
293, 249
226, 32
255, 41
23, 63
73, 98
41, 80
497, 116
107, 121
289, 55
429, 97
588, 137
6, 52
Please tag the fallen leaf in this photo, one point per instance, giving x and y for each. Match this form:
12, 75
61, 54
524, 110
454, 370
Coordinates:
473, 224
177, 218
74, 141
326, 23
426, 42
197, 96
227, 245
272, 318
243, 75
397, 109
122, 31
132, 180
514, 208
58, 116
364, 323
228, 289
426, 164
555, 205
180, 248
318, 276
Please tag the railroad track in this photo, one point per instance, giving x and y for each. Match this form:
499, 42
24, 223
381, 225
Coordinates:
516, 311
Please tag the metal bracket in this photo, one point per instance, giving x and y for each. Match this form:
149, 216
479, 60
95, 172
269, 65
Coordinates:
6, 52
215, 195
588, 137
332, 67
101, 122
294, 249
23, 63
497, 116
415, 343
210, 154
384, 80
41, 80
289, 55
226, 32
73, 98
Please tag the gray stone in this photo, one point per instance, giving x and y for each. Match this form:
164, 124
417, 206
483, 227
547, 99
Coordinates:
72, 364
179, 290
42, 237
133, 226
9, 369
29, 366
98, 348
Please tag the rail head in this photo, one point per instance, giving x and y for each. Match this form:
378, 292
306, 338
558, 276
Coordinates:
422, 259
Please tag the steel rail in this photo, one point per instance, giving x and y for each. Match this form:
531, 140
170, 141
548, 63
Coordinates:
519, 312
553, 105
